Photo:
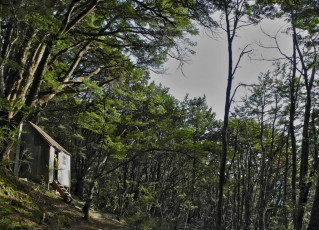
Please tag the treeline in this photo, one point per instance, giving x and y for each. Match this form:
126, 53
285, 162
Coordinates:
141, 154
80, 69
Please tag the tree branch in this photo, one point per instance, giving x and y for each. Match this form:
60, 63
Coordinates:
81, 15
76, 61
243, 52
60, 53
241, 84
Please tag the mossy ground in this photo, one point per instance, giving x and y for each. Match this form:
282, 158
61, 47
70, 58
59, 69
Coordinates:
28, 205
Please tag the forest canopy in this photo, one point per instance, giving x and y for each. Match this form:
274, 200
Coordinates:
80, 69
57, 47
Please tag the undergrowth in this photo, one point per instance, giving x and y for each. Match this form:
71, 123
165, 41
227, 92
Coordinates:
18, 209
27, 205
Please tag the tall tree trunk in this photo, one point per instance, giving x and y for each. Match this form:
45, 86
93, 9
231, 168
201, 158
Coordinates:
262, 180
79, 186
225, 128
87, 205
314, 217
304, 186
286, 183
304, 164
248, 190
292, 111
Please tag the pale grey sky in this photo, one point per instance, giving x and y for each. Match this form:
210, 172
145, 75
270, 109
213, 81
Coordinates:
207, 71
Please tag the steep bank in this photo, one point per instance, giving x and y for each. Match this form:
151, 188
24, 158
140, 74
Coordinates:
28, 205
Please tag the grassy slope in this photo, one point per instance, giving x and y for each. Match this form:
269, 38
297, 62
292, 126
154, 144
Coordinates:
27, 205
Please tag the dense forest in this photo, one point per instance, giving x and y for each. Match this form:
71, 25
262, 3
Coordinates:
80, 69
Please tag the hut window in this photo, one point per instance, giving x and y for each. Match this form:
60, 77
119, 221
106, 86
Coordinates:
64, 160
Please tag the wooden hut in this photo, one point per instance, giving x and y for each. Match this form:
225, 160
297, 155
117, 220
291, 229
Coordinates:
41, 149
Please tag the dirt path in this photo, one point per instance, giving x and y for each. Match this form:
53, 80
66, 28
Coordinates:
96, 221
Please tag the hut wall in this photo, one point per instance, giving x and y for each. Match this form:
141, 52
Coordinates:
64, 173
51, 164
39, 151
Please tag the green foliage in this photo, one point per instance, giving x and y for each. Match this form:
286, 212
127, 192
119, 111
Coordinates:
139, 123
140, 153
63, 221
8, 224
4, 210
13, 201
51, 48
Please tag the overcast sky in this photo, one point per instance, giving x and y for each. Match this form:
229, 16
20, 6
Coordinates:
207, 71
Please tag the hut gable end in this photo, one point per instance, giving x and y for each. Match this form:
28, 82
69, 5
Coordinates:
49, 139
39, 162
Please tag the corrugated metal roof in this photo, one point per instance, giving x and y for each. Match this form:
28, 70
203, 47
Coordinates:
49, 139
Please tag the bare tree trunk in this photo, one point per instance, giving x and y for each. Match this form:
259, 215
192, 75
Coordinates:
292, 110
225, 129
233, 12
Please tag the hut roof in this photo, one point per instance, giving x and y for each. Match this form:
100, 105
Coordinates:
49, 139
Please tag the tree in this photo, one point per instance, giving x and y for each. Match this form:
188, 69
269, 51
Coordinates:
303, 62
51, 48
233, 13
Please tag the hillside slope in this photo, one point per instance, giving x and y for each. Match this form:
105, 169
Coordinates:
27, 205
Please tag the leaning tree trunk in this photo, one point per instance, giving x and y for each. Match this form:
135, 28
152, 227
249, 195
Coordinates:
34, 53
